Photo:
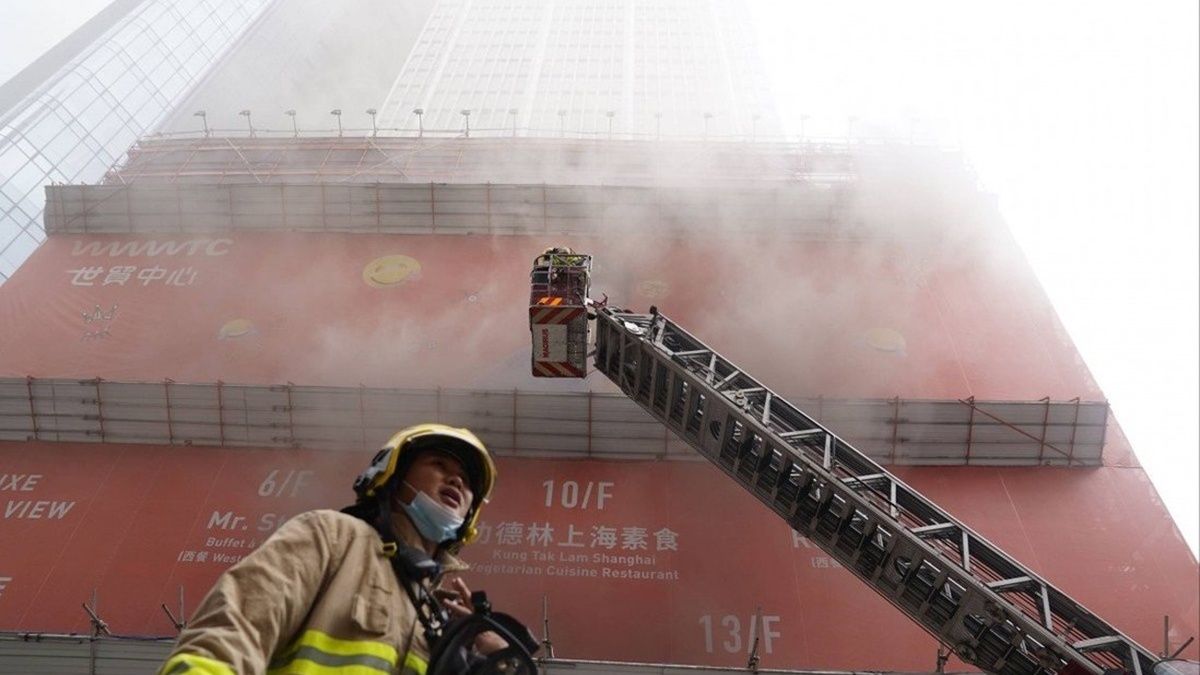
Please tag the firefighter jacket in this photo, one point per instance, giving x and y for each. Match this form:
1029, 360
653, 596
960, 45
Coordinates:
319, 597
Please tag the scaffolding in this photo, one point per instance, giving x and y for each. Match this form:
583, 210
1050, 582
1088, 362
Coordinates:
494, 186
524, 160
83, 655
782, 211
525, 423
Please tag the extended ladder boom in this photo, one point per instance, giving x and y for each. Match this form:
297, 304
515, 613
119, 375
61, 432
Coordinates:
996, 613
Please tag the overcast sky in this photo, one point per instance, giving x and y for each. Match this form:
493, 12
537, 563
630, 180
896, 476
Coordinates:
28, 29
1081, 117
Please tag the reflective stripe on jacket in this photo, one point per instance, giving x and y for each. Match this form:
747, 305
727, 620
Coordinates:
319, 597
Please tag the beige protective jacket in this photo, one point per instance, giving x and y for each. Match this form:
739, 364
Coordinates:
319, 597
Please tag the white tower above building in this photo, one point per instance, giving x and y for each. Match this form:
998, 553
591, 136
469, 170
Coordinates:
585, 68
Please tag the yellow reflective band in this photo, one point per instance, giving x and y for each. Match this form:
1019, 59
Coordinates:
317, 653
194, 664
413, 665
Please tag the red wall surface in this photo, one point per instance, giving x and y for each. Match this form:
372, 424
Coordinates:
136, 522
836, 319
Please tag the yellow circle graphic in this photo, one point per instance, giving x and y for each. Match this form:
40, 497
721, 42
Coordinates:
886, 340
653, 289
236, 328
390, 271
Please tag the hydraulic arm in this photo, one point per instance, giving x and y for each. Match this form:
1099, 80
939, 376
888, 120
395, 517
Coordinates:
993, 611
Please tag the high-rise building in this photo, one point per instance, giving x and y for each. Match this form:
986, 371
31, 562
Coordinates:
78, 123
183, 66
587, 68
218, 333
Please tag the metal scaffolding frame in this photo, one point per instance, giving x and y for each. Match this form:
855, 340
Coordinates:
491, 186
220, 159
789, 211
523, 423
57, 654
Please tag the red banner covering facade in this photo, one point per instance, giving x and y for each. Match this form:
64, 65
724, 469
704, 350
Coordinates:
645, 561
841, 319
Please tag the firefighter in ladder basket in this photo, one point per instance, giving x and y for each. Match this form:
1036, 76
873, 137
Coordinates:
559, 309
559, 274
373, 588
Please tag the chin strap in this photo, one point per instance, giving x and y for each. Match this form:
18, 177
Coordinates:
412, 567
451, 641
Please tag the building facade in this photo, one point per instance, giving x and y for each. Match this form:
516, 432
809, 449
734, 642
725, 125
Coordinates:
216, 335
585, 68
77, 125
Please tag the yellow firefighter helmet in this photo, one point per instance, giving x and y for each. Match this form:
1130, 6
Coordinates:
402, 447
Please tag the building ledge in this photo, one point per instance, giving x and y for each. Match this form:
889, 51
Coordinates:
526, 423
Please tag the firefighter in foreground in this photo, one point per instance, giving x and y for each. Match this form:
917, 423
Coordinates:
369, 589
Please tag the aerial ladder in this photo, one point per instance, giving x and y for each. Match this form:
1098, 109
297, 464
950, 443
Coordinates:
994, 612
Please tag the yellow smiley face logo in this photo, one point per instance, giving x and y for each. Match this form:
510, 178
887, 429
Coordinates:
653, 289
886, 340
391, 271
235, 328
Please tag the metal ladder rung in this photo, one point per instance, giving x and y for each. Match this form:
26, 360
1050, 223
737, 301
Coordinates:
1098, 643
936, 530
728, 378
787, 435
1014, 584
864, 480
931, 566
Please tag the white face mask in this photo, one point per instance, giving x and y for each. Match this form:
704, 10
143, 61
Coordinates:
435, 521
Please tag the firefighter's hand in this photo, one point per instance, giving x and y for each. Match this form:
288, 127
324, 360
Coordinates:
456, 598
